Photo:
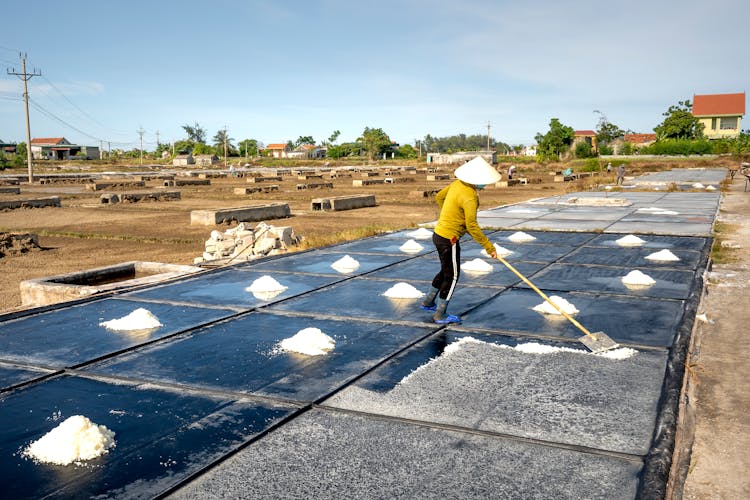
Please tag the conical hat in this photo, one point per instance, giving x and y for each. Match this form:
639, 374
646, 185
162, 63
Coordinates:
477, 171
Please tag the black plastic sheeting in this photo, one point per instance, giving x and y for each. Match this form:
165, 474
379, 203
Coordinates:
185, 396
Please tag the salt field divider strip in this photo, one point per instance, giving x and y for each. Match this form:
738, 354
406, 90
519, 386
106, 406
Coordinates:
478, 432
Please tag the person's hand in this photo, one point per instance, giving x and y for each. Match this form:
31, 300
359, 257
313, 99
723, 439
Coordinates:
493, 255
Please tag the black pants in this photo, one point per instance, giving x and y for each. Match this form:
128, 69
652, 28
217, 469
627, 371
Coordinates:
450, 258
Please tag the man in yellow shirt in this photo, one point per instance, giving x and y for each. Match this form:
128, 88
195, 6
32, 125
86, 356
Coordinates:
458, 202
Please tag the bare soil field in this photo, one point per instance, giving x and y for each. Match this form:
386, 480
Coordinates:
84, 233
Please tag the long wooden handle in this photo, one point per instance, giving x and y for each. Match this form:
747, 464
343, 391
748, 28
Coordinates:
544, 296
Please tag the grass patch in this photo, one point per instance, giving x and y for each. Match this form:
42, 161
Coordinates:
113, 237
322, 240
721, 254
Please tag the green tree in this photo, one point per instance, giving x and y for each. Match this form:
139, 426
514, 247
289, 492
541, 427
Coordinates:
407, 151
304, 140
219, 139
375, 142
334, 137
195, 133
248, 148
184, 147
584, 150
607, 132
201, 148
555, 142
679, 123
21, 149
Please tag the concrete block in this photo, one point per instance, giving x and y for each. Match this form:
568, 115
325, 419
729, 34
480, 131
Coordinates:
10, 190
438, 177
52, 201
241, 214
338, 203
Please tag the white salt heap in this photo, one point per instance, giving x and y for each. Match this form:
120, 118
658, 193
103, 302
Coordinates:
420, 234
630, 241
265, 284
310, 341
140, 319
477, 266
547, 308
540, 349
663, 255
710, 188
520, 236
698, 185
658, 211
411, 246
501, 251
403, 291
75, 439
637, 278
345, 264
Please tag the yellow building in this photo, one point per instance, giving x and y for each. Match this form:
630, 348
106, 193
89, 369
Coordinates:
720, 114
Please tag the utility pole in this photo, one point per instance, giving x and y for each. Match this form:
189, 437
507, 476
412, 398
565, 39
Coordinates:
225, 146
488, 135
26, 77
157, 139
140, 134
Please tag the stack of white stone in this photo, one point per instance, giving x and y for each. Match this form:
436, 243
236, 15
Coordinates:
246, 243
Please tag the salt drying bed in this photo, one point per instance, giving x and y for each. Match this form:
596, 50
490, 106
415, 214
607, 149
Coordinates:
507, 404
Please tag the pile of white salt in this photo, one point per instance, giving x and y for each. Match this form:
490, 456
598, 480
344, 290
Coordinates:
663, 256
345, 264
265, 284
140, 319
402, 291
75, 439
501, 251
420, 234
637, 278
630, 241
311, 341
477, 266
547, 308
698, 185
520, 237
710, 188
411, 246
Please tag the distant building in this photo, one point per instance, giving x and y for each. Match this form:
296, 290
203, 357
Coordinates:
529, 150
639, 139
206, 160
461, 157
306, 151
183, 160
720, 114
59, 148
7, 148
587, 136
277, 150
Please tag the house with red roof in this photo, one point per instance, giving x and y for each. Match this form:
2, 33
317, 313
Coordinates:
279, 150
587, 136
720, 114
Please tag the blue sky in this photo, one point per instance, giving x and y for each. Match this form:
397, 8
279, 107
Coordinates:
274, 70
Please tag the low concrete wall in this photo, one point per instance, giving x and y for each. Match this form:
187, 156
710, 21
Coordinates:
73, 286
188, 182
10, 190
315, 185
98, 186
136, 197
240, 214
52, 201
337, 203
258, 189
367, 182
255, 180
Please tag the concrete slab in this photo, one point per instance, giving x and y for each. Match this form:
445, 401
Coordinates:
242, 355
549, 224
512, 310
521, 251
491, 222
363, 298
227, 288
632, 257
319, 262
653, 241
408, 461
47, 338
670, 283
240, 214
423, 269
613, 411
381, 246
685, 229
162, 435
543, 238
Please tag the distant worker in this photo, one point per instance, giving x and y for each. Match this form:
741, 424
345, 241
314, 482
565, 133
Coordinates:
620, 173
511, 171
458, 202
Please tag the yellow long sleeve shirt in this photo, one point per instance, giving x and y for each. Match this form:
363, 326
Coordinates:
459, 202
